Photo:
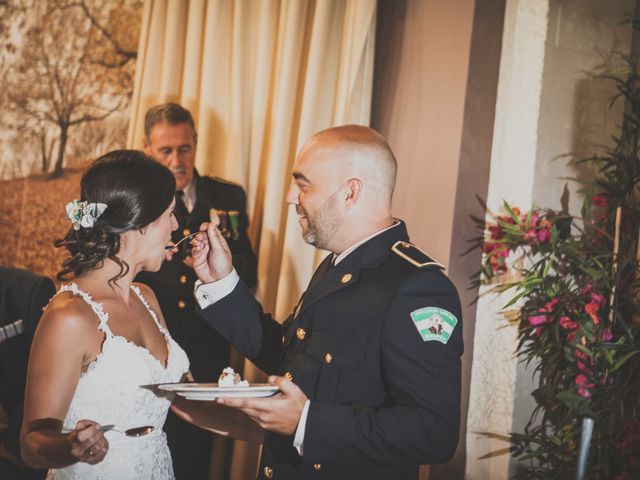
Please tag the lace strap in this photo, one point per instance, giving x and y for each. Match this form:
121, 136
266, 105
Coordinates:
136, 289
103, 316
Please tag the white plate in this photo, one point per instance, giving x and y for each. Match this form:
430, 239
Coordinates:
211, 391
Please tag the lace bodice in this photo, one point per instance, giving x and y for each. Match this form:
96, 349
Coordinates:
112, 391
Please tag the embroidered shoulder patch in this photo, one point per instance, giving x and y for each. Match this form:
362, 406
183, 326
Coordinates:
434, 323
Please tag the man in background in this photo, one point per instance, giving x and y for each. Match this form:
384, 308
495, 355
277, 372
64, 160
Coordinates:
171, 139
23, 295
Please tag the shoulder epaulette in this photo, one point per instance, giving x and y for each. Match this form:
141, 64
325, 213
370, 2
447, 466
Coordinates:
412, 254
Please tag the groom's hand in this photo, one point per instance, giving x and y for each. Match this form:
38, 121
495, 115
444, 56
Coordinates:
211, 254
280, 413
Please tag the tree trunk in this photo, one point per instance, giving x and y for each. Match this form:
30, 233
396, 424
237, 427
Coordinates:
45, 151
64, 131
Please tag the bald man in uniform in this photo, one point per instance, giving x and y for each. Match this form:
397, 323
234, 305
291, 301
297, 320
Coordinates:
368, 362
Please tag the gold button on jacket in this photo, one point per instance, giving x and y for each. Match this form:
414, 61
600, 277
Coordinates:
300, 333
268, 472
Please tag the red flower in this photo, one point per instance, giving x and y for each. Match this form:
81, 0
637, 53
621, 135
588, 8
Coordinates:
583, 367
599, 201
583, 386
595, 297
567, 323
496, 232
551, 305
592, 309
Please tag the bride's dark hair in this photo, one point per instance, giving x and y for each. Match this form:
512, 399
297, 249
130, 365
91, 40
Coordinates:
136, 190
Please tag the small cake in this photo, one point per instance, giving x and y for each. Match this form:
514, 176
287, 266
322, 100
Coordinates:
229, 378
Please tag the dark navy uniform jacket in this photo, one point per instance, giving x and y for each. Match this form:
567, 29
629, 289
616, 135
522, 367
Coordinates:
23, 295
367, 347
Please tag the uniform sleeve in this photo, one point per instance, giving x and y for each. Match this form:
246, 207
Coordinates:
239, 318
419, 420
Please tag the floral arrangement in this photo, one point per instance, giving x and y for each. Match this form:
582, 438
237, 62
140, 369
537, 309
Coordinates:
84, 214
572, 325
577, 288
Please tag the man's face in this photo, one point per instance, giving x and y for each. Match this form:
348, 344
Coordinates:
317, 198
174, 146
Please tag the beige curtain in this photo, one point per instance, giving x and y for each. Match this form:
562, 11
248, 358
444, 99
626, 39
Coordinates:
260, 77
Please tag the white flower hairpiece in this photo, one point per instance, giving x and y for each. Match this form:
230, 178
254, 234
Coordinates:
83, 214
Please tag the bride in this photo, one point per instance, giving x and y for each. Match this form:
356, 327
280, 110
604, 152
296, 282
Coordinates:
102, 338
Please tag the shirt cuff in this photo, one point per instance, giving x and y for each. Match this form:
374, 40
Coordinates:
298, 440
209, 293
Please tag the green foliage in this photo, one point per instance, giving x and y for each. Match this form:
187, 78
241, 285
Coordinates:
579, 317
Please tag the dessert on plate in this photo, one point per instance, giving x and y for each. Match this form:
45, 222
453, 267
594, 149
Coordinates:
229, 378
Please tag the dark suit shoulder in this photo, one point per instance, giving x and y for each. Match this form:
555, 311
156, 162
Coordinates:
221, 184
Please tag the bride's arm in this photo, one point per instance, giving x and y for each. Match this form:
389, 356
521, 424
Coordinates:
226, 421
55, 363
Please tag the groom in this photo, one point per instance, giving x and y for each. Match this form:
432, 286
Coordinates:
368, 363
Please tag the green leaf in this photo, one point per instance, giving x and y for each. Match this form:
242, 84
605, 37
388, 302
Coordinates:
511, 213
622, 360
571, 399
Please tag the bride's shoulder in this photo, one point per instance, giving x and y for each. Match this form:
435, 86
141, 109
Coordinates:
147, 292
68, 311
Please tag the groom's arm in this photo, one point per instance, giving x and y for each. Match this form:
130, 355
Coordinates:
229, 307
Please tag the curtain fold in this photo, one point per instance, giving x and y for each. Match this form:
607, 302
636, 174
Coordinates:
260, 77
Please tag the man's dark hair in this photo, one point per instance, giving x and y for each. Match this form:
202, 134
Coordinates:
170, 113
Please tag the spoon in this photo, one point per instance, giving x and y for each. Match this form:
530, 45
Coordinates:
130, 432
169, 247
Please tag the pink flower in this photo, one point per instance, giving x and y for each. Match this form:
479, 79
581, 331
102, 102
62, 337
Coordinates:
607, 335
544, 235
599, 201
551, 305
534, 219
583, 386
530, 236
595, 297
537, 320
583, 367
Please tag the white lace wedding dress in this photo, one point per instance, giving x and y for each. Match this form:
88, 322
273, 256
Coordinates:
112, 391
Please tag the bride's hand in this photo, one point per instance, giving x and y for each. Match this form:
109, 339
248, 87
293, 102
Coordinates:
88, 443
